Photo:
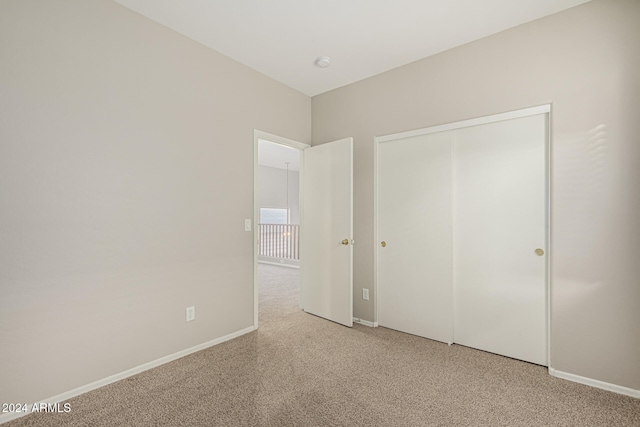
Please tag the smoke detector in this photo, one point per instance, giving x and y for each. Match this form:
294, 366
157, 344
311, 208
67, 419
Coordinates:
322, 61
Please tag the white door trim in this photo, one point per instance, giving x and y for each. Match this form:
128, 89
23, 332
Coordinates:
541, 109
257, 135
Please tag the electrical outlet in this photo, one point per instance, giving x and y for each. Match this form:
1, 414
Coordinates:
365, 294
191, 313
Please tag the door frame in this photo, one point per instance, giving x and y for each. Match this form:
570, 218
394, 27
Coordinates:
257, 135
541, 109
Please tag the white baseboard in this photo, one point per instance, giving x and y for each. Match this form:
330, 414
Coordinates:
128, 373
595, 383
365, 322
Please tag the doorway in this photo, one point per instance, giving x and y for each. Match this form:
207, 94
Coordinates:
277, 195
325, 231
278, 204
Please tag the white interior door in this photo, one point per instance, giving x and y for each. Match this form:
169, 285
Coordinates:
415, 236
326, 269
499, 222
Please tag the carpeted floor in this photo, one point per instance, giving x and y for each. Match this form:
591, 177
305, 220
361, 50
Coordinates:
300, 370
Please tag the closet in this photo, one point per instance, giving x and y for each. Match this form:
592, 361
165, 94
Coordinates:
462, 230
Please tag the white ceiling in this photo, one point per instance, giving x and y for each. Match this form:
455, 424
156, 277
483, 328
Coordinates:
282, 38
277, 156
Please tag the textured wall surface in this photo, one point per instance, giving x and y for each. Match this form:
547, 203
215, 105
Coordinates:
126, 172
584, 61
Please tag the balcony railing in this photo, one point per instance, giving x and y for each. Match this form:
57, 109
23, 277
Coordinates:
280, 241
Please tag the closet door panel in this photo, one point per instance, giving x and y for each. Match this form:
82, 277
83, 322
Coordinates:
414, 220
499, 220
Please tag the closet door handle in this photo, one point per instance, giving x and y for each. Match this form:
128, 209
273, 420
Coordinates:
539, 252
383, 244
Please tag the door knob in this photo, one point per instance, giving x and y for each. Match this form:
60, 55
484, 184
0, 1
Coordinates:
539, 252
345, 242
383, 244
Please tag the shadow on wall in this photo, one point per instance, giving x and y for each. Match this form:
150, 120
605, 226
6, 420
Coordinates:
584, 203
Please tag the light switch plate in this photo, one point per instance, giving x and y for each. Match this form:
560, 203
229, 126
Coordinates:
247, 225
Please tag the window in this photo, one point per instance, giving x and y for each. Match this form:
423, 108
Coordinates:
273, 216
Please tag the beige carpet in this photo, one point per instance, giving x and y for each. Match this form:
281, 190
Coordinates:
300, 370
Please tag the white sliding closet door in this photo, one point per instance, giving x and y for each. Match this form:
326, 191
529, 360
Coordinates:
414, 222
499, 220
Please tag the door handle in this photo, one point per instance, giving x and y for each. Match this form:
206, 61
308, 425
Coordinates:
345, 242
539, 252
383, 244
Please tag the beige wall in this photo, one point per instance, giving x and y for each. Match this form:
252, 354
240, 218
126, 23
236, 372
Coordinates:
585, 62
126, 172
119, 138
